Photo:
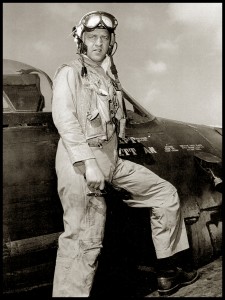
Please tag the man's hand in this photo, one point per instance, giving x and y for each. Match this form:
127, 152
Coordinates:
95, 178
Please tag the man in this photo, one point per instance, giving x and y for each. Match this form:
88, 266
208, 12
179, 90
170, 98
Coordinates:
89, 114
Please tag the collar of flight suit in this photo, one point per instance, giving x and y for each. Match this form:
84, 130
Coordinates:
104, 64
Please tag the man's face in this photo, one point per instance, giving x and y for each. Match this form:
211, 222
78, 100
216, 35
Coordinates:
97, 42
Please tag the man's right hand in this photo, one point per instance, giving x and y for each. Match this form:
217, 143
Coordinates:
94, 176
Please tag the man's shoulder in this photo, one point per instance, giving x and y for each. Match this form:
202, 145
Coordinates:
75, 65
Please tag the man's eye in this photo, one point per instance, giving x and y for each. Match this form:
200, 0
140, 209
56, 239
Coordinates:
94, 37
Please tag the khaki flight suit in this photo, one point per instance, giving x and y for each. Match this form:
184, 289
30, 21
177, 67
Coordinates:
84, 216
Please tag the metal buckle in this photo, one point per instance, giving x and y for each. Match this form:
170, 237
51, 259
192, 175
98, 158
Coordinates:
97, 144
97, 193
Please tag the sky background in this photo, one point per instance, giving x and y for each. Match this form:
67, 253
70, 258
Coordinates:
169, 55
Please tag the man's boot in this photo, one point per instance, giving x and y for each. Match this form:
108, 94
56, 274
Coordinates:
172, 274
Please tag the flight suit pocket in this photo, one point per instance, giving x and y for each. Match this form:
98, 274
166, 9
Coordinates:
96, 213
94, 128
95, 218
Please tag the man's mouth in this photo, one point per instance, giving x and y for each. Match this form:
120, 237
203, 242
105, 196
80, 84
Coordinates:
98, 50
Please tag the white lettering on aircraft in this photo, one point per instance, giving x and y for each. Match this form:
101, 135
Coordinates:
170, 149
192, 147
127, 151
150, 150
134, 140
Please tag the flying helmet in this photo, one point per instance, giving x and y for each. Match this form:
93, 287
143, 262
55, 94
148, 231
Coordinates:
90, 21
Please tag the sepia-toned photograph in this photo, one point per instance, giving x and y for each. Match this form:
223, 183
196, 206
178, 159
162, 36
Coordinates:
112, 149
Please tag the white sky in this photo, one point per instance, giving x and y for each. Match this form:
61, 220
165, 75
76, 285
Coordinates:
169, 55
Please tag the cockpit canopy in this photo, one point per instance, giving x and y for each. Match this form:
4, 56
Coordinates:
24, 87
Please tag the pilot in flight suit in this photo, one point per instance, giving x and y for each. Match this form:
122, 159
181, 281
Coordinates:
88, 114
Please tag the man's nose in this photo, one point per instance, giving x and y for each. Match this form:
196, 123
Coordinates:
98, 41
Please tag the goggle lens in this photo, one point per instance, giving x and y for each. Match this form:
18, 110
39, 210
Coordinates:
93, 20
107, 21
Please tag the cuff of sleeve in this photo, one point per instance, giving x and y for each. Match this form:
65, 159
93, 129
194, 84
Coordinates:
80, 153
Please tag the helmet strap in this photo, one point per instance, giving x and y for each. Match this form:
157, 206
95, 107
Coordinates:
112, 42
118, 84
83, 69
81, 46
115, 73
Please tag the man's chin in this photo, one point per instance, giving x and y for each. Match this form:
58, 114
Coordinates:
98, 57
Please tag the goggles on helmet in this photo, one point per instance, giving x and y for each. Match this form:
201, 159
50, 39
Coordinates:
91, 21
97, 18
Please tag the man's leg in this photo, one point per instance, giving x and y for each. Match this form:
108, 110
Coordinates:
149, 190
81, 241
168, 228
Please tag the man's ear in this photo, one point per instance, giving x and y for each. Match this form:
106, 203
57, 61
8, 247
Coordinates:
83, 48
111, 44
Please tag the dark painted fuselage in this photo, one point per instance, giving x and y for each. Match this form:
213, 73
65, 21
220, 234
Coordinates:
32, 213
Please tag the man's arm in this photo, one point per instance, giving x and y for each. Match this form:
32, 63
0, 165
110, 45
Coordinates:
95, 178
65, 120
92, 173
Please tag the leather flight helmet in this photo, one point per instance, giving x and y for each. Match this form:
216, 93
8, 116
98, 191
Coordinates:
91, 21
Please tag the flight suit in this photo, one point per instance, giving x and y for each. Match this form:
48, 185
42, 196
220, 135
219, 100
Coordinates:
84, 216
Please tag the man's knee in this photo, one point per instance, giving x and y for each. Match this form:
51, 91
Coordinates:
170, 195
169, 188
166, 187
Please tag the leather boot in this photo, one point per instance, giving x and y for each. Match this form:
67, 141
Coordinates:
169, 284
175, 272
